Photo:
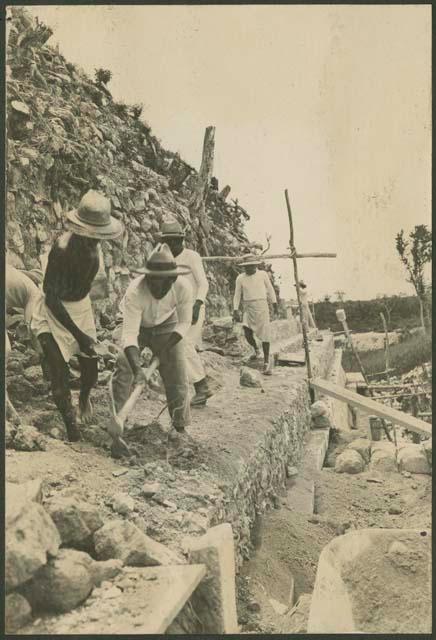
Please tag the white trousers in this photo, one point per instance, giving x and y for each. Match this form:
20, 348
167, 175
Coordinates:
191, 340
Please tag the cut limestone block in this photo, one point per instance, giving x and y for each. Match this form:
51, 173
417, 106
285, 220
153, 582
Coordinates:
62, 584
31, 537
123, 540
383, 456
360, 575
349, 461
139, 601
412, 458
215, 598
17, 612
362, 446
76, 520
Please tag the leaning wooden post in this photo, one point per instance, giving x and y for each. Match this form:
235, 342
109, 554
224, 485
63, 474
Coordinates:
340, 314
385, 326
297, 286
197, 204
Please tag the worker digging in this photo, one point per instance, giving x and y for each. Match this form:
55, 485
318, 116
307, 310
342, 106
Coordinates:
157, 313
63, 318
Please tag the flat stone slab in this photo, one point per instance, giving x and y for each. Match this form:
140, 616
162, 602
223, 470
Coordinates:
301, 495
139, 601
374, 581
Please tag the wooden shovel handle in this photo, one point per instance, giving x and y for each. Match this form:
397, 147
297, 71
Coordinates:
134, 396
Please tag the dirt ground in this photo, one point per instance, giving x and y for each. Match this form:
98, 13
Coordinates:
193, 472
290, 543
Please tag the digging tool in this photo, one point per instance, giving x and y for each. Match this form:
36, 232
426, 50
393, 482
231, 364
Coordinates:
116, 425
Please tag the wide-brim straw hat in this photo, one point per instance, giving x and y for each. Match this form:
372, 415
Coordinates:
249, 259
161, 263
93, 219
171, 228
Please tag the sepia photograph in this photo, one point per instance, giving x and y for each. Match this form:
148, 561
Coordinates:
218, 319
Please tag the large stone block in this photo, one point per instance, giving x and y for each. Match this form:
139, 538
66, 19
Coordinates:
76, 520
349, 461
383, 457
62, 584
362, 446
123, 540
215, 598
17, 612
31, 536
412, 458
362, 573
427, 445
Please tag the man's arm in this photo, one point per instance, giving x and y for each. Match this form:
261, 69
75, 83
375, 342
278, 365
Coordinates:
183, 292
52, 300
270, 289
238, 293
132, 313
202, 285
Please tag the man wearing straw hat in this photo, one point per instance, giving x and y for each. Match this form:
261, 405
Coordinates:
63, 318
172, 234
157, 313
255, 289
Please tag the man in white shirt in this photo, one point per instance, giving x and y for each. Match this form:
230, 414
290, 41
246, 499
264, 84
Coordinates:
255, 289
157, 313
173, 235
307, 314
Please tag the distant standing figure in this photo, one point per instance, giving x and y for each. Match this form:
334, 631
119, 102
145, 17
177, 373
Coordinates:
307, 314
63, 318
173, 235
255, 289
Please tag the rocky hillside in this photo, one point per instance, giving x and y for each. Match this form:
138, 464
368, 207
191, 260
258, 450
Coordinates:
66, 134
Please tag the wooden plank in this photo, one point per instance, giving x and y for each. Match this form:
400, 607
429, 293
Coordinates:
371, 406
270, 257
393, 387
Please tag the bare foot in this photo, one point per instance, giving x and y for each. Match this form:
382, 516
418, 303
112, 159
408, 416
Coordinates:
86, 411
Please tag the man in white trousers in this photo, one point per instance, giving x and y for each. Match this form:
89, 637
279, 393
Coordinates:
172, 234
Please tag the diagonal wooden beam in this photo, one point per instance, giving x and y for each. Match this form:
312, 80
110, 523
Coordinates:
371, 406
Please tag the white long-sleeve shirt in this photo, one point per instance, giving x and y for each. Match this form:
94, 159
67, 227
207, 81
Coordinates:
197, 277
255, 287
139, 308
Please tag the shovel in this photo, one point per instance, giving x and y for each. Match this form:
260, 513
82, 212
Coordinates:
116, 425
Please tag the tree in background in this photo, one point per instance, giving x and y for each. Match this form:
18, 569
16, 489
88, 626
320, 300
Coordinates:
340, 295
415, 252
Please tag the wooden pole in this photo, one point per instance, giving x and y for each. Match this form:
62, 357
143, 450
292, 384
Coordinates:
350, 342
197, 203
297, 286
275, 256
385, 326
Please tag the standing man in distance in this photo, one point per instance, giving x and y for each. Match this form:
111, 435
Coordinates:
255, 289
173, 235
63, 319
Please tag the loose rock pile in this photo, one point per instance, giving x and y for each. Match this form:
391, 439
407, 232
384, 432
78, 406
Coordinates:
59, 552
66, 135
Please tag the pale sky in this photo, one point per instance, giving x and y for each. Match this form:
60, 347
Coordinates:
332, 102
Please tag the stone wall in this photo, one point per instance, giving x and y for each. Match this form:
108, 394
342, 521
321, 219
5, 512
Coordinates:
262, 477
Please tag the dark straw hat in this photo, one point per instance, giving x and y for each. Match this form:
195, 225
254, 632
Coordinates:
93, 219
171, 228
161, 263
